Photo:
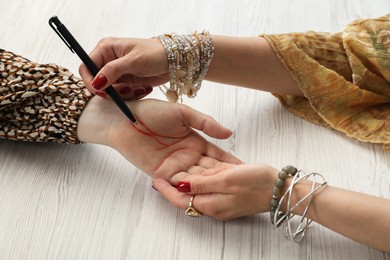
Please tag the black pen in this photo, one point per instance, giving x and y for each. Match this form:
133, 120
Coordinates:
75, 47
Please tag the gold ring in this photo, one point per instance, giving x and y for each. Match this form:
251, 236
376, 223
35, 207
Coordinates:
191, 211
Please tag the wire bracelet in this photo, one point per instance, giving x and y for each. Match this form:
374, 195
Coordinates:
290, 225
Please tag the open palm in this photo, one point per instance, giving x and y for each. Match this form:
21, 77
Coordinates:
164, 143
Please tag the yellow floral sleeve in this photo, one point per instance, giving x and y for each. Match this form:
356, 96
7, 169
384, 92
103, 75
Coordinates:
345, 78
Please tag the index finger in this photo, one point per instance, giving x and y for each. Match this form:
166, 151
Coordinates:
211, 181
100, 55
208, 204
170, 192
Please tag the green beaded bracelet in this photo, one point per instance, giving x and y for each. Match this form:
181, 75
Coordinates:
287, 171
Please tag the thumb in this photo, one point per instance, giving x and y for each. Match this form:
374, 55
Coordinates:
110, 73
205, 123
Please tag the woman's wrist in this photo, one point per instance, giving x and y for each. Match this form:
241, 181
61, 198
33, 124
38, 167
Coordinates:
293, 194
301, 189
96, 121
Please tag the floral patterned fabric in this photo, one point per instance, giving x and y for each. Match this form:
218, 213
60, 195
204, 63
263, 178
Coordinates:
345, 78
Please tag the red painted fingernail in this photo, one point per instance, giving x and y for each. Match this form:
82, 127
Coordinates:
184, 186
148, 90
139, 92
125, 90
101, 94
99, 82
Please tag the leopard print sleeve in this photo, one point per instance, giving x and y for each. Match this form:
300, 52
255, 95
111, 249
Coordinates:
39, 102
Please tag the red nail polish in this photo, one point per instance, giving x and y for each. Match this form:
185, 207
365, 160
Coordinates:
139, 92
125, 90
148, 90
184, 186
101, 94
99, 82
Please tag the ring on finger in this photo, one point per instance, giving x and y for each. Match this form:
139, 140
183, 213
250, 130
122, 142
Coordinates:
191, 211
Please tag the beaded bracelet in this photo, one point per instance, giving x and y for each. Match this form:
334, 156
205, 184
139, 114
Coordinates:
283, 220
282, 175
189, 57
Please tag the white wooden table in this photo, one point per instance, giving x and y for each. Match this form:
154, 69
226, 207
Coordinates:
87, 202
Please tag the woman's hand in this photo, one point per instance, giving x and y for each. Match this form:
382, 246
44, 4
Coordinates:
132, 66
223, 190
163, 143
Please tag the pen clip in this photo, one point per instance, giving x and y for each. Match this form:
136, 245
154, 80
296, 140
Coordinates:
53, 24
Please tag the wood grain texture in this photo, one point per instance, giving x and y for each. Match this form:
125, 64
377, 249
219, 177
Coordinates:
87, 202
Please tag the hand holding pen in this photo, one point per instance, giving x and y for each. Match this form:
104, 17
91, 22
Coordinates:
132, 65
75, 47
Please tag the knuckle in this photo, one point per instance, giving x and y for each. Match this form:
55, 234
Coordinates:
209, 118
226, 182
206, 120
105, 41
198, 188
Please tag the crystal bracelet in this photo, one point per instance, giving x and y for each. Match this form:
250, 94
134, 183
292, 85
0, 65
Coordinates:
189, 57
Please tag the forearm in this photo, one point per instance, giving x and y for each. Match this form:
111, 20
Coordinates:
95, 120
250, 62
361, 217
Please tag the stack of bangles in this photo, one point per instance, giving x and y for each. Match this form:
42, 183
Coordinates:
189, 57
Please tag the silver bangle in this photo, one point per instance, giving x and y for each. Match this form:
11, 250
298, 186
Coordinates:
288, 224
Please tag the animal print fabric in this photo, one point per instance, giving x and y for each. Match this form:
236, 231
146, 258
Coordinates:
345, 78
39, 102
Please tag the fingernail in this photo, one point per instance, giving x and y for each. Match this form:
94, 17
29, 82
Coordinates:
125, 90
101, 94
155, 188
148, 90
184, 186
139, 92
99, 82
